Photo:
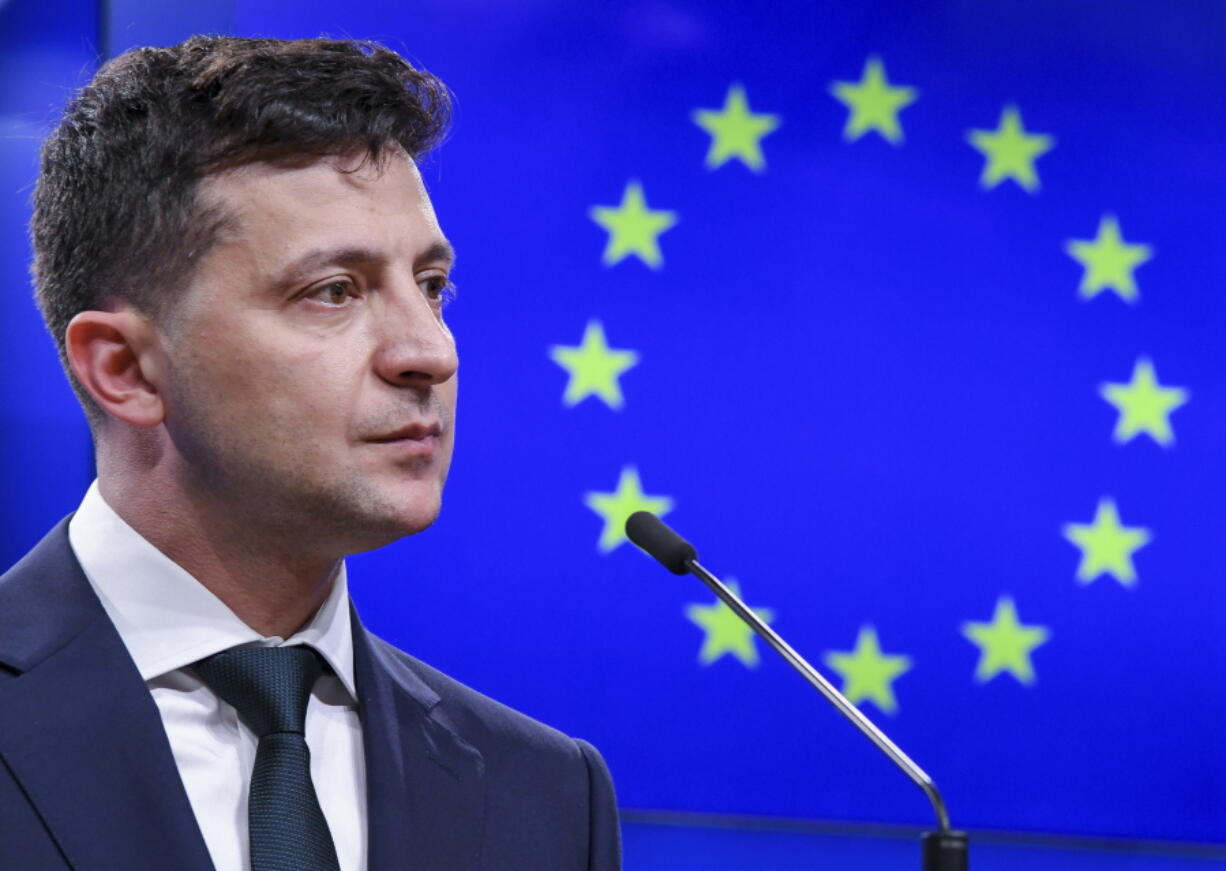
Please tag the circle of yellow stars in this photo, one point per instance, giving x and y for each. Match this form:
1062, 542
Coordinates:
1010, 153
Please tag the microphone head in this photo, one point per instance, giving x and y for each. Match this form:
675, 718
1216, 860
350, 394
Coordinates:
652, 535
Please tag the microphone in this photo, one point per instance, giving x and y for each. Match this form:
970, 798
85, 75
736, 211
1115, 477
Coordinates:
659, 540
942, 850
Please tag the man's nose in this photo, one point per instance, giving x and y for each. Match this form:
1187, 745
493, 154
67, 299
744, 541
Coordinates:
415, 347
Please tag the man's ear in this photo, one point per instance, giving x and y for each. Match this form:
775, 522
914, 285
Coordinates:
116, 357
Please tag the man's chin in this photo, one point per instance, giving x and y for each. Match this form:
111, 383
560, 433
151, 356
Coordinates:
394, 526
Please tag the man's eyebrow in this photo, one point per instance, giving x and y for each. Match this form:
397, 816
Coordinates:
440, 250
353, 256
306, 265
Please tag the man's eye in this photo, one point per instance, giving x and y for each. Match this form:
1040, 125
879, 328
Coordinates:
438, 289
334, 293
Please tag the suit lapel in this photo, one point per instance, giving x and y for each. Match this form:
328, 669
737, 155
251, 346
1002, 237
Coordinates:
79, 729
425, 784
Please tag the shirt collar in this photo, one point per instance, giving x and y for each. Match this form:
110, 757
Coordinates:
166, 618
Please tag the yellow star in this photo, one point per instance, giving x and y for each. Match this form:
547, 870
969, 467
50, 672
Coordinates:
873, 103
633, 227
1010, 151
868, 673
615, 507
1005, 644
1108, 261
735, 131
594, 367
1144, 405
1106, 546
726, 632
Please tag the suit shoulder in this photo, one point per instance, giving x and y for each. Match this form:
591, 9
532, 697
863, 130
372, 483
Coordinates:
549, 798
478, 714
45, 601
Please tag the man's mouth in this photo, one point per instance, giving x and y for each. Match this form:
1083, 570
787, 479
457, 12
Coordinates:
416, 432
416, 441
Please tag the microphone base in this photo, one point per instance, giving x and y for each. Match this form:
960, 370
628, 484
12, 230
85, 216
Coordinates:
945, 851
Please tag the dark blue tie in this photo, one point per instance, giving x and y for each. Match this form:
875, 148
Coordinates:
270, 688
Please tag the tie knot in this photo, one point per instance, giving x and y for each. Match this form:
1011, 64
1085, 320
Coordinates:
268, 686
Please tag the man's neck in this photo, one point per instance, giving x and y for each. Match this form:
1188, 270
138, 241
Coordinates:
268, 586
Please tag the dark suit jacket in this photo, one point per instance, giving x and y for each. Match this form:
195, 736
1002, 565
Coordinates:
455, 781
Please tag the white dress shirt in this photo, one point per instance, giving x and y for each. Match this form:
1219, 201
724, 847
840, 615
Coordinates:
168, 621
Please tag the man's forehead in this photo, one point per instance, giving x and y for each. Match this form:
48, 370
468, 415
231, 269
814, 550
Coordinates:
246, 196
390, 169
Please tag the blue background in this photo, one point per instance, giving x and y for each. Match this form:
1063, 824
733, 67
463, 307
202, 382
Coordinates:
868, 384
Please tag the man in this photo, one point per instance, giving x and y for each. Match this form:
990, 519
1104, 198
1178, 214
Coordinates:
245, 278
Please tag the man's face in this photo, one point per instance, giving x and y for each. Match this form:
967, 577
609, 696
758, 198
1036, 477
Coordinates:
311, 379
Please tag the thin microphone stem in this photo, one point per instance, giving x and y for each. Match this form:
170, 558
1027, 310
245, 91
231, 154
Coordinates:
823, 686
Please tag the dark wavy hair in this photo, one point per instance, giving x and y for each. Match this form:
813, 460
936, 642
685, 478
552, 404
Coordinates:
116, 211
